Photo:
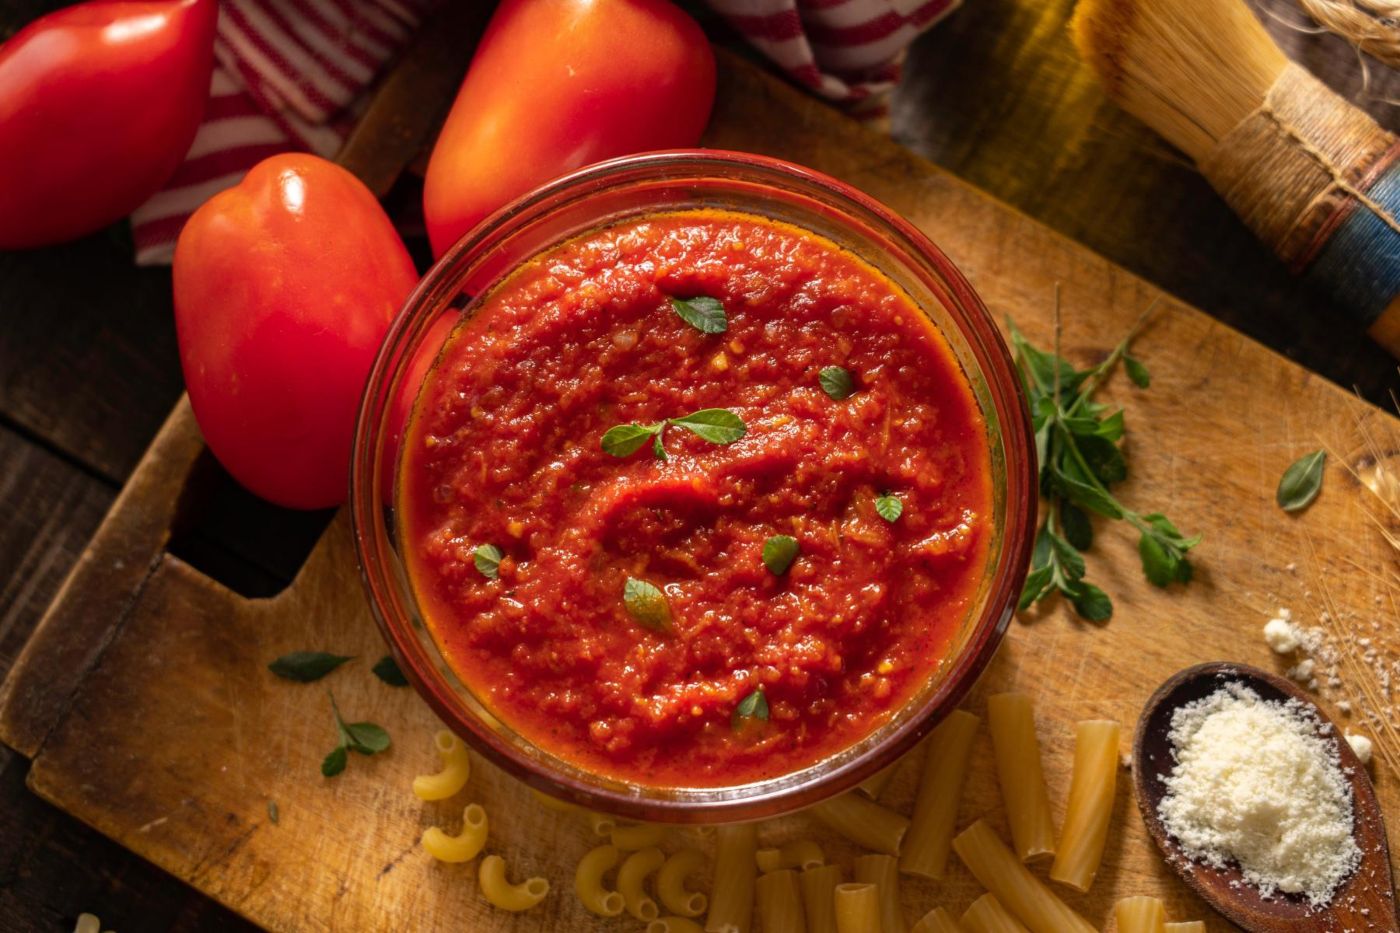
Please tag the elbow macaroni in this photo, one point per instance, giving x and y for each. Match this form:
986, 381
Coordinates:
588, 882
462, 847
630, 879
456, 768
501, 893
670, 884
637, 836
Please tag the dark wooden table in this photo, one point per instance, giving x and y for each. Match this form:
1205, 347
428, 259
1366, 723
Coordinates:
88, 366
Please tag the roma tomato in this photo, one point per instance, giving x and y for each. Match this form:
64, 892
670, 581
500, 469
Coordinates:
559, 84
284, 288
98, 105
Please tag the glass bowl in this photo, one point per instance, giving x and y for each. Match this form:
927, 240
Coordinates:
625, 188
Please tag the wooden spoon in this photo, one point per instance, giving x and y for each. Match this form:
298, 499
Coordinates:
1365, 901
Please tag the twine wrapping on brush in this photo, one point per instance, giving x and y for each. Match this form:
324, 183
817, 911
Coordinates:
1296, 167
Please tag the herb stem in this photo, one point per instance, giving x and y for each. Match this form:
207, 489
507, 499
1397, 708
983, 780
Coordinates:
1101, 371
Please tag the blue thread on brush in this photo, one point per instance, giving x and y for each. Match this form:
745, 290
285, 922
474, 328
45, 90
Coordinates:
1359, 266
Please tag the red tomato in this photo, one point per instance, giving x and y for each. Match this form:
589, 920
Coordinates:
98, 105
284, 288
559, 84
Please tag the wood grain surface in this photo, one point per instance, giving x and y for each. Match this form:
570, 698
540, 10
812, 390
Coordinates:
164, 731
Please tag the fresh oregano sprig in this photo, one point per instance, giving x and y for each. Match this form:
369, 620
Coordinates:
1077, 448
367, 738
716, 425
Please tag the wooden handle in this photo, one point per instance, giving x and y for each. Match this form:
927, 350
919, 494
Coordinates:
1385, 330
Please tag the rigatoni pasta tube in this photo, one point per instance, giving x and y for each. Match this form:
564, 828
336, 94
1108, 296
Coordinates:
670, 883
857, 908
986, 915
883, 872
875, 785
731, 898
1011, 720
1020, 892
818, 893
801, 853
1090, 805
863, 821
1140, 915
930, 836
779, 903
674, 925
938, 920
631, 880
1186, 926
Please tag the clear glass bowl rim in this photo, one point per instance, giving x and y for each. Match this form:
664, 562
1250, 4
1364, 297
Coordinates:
373, 548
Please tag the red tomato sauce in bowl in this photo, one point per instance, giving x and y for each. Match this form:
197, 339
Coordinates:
533, 551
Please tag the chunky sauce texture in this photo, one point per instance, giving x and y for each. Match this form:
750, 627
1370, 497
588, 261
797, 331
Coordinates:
504, 449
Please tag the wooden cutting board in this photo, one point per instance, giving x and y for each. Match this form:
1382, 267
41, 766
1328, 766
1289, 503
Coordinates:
145, 703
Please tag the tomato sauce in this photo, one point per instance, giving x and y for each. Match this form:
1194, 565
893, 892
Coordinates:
505, 449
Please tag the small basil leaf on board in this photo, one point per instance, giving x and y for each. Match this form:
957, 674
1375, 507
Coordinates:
1076, 525
779, 552
1301, 482
387, 670
334, 763
487, 558
1137, 372
1036, 582
1111, 428
1092, 603
716, 425
836, 382
367, 738
753, 706
306, 666
646, 603
1158, 564
889, 507
1104, 459
1071, 563
623, 440
705, 314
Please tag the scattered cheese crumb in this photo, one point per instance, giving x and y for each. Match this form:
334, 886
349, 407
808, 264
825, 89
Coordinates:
1256, 783
1281, 636
1303, 670
1361, 745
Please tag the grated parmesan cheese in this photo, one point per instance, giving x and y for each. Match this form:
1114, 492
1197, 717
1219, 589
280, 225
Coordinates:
1361, 745
1257, 783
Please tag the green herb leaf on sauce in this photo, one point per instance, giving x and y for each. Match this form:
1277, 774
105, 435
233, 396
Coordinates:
889, 507
836, 382
1301, 482
658, 450
753, 706
487, 558
647, 604
387, 670
705, 314
306, 666
779, 552
623, 440
716, 425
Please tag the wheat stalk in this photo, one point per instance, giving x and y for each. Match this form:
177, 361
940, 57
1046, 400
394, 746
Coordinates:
1373, 26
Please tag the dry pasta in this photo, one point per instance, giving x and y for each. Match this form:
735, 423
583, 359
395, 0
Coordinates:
631, 878
588, 882
637, 836
1140, 915
1011, 721
462, 847
1186, 926
600, 823
87, 923
1020, 892
553, 803
501, 893
456, 768
779, 903
930, 835
674, 925
857, 908
670, 883
803, 853
938, 920
818, 898
1090, 806
883, 872
863, 821
731, 898
986, 915
875, 785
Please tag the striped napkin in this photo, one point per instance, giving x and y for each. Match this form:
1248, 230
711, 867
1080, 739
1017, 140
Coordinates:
289, 73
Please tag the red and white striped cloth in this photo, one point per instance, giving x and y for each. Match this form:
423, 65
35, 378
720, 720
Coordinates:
288, 74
